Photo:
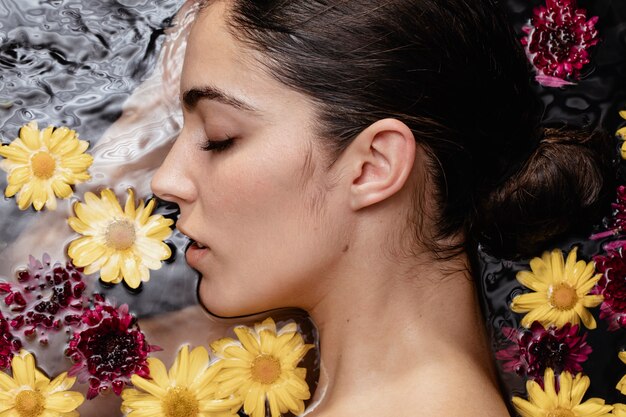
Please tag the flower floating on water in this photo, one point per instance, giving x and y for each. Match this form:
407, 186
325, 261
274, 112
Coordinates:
547, 402
622, 133
536, 349
561, 291
121, 244
8, 344
612, 286
557, 42
43, 165
262, 366
46, 297
187, 391
109, 350
29, 393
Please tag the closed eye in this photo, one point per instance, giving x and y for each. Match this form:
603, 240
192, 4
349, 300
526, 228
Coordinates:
217, 145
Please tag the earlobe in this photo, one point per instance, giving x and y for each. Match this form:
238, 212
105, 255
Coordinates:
383, 159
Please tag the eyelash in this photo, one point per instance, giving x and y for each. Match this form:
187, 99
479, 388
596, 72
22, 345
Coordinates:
217, 145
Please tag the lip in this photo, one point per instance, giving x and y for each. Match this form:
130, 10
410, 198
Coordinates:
194, 255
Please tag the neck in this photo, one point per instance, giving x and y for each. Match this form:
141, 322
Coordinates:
395, 321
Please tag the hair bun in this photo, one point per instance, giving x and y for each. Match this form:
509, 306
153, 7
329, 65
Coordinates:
561, 188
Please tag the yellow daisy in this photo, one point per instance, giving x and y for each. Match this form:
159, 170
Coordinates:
29, 393
561, 291
263, 365
121, 244
619, 410
187, 391
42, 165
622, 133
547, 403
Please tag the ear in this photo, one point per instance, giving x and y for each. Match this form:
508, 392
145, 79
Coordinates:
380, 162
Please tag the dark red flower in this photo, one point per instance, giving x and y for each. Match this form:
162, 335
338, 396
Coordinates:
557, 42
536, 349
108, 349
612, 285
8, 344
45, 298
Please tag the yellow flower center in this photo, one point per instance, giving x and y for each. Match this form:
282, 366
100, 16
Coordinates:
29, 403
179, 402
560, 412
43, 165
563, 297
120, 234
265, 369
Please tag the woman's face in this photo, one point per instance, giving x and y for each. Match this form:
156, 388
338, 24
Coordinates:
256, 199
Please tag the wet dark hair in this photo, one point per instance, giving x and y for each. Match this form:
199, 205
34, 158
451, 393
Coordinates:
455, 73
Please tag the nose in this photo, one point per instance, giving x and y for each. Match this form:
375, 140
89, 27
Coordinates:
173, 180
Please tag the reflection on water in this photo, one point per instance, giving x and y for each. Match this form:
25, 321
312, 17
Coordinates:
109, 69
87, 65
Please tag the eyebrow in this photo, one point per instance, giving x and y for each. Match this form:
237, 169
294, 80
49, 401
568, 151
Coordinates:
192, 96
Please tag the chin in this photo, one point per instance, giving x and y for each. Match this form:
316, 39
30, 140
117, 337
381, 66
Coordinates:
222, 305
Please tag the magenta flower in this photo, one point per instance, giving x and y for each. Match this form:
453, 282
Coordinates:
557, 42
8, 344
109, 349
45, 298
612, 286
535, 349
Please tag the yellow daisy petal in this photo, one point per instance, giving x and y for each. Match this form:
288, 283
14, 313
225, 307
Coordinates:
64, 402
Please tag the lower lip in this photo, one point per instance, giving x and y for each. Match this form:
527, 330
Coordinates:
195, 254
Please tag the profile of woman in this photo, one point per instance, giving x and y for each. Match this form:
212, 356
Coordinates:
333, 158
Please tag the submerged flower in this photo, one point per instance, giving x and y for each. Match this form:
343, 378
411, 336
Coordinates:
42, 165
561, 291
109, 350
612, 286
187, 391
8, 344
616, 222
547, 402
536, 349
557, 41
262, 366
31, 394
46, 297
121, 244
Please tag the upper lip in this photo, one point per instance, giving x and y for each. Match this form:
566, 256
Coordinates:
191, 238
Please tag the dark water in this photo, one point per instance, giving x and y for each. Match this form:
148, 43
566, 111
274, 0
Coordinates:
76, 62
595, 101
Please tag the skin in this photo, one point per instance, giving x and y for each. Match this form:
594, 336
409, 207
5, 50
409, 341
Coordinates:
399, 330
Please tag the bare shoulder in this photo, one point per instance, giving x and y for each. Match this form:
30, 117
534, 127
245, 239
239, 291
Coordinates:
457, 388
454, 387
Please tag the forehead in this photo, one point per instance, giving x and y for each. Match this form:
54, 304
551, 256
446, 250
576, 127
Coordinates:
214, 57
